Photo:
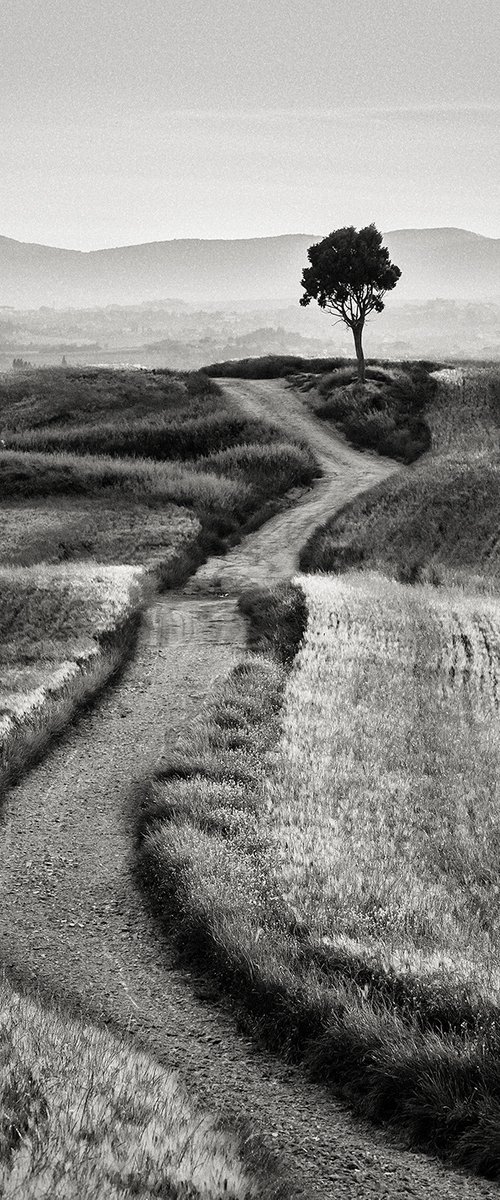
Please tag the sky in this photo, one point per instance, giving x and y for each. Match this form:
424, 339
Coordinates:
125, 121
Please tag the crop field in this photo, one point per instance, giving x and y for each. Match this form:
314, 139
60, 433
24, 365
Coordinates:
119, 1125
341, 876
465, 415
383, 799
439, 521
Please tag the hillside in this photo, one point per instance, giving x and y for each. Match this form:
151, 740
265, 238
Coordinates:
439, 521
435, 263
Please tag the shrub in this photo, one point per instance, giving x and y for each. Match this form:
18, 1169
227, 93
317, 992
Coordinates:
387, 415
270, 366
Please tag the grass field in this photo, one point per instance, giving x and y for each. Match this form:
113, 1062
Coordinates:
385, 787
120, 1125
63, 631
440, 520
151, 450
342, 878
59, 529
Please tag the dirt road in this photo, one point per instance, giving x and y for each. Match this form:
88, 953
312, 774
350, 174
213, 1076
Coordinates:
73, 924
270, 553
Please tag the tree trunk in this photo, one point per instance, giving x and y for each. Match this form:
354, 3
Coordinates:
358, 342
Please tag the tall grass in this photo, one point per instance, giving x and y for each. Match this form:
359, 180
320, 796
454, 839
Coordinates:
77, 396
106, 528
87, 1114
153, 436
341, 880
63, 631
441, 519
35, 474
389, 414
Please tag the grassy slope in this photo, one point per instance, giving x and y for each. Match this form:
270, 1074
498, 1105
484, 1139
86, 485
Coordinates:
134, 442
440, 520
382, 1002
63, 631
388, 414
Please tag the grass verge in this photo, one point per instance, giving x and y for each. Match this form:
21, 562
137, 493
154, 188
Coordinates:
388, 414
64, 633
121, 1125
438, 522
219, 857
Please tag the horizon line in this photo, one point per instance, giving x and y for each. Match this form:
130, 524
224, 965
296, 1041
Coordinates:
250, 238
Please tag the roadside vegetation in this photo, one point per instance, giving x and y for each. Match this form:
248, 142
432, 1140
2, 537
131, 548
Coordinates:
438, 522
329, 841
388, 413
120, 1125
63, 632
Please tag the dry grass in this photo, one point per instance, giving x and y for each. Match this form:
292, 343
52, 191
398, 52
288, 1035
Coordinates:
63, 632
383, 799
119, 1125
30, 474
438, 522
61, 529
342, 881
465, 416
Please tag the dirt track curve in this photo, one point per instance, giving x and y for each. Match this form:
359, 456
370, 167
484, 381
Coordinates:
72, 922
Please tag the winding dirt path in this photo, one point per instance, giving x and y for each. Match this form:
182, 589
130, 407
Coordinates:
72, 923
271, 553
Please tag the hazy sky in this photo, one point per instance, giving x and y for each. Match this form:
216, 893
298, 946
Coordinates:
134, 120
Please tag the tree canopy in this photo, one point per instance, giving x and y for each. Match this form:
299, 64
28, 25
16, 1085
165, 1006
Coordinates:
350, 273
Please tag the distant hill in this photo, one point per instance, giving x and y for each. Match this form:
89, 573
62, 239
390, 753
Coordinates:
435, 263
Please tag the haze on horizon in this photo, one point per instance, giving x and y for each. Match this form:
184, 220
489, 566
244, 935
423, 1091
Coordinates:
124, 123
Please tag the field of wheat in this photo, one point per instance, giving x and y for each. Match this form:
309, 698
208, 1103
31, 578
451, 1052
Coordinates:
383, 800
465, 414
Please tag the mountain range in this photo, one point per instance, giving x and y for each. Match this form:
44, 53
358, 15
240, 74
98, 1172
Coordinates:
444, 263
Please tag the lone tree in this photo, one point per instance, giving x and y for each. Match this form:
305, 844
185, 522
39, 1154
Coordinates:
350, 272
